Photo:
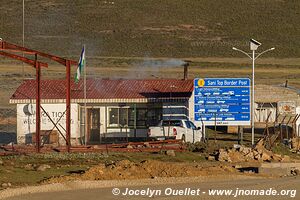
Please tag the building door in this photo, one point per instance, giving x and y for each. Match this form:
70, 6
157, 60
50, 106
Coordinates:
93, 122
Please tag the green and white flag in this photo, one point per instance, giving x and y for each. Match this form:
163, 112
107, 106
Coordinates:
81, 65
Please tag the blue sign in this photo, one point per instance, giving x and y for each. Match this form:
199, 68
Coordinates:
226, 91
222, 117
222, 101
223, 108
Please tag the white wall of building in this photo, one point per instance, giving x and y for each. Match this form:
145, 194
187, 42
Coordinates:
26, 120
191, 110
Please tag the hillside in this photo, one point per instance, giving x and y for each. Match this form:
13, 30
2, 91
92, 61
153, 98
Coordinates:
153, 28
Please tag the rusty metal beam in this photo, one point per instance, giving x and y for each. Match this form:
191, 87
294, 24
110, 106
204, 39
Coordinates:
37, 65
68, 105
23, 59
55, 124
5, 46
18, 51
66, 62
38, 106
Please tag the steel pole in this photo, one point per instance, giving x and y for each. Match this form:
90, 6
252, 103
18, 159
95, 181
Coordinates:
253, 93
68, 105
38, 105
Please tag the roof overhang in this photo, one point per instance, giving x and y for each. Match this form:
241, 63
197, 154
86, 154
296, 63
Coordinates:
136, 100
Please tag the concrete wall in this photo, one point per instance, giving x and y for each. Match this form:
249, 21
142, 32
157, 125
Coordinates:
26, 120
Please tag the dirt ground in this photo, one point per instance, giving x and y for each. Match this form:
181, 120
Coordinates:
125, 170
36, 169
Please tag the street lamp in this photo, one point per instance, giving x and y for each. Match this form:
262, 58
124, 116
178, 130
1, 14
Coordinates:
253, 47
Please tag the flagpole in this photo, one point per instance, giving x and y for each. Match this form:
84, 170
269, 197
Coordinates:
85, 110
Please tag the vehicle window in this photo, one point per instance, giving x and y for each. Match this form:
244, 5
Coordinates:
193, 125
187, 123
171, 123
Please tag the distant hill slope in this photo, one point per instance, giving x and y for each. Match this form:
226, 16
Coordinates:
150, 28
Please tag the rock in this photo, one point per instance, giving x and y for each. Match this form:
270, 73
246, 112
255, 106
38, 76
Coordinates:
170, 153
146, 144
260, 151
43, 167
238, 166
29, 167
257, 157
1, 162
266, 156
250, 156
296, 172
286, 159
9, 184
230, 151
295, 143
5, 185
129, 147
245, 150
223, 156
276, 157
260, 144
236, 156
255, 152
211, 158
236, 146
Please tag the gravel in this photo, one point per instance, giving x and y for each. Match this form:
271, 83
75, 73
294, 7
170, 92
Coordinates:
11, 192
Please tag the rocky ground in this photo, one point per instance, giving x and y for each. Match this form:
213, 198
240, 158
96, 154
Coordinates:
240, 153
147, 169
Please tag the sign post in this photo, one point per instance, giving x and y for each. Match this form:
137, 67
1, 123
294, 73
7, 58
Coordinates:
222, 101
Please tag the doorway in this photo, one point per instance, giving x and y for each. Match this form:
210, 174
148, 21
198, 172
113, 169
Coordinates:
93, 125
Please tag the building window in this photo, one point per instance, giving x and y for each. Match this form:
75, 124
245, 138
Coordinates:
154, 116
141, 117
113, 114
131, 115
118, 117
122, 117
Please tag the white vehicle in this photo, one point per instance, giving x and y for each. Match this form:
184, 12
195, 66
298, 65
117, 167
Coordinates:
184, 130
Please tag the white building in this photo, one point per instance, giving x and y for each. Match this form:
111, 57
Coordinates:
118, 109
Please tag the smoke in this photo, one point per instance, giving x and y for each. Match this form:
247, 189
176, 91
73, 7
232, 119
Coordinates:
152, 68
161, 63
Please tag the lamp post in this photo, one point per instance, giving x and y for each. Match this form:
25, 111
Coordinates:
253, 47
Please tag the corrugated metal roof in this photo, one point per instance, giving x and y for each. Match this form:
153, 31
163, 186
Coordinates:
107, 89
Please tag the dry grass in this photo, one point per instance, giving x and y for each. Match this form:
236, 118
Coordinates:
154, 28
269, 71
